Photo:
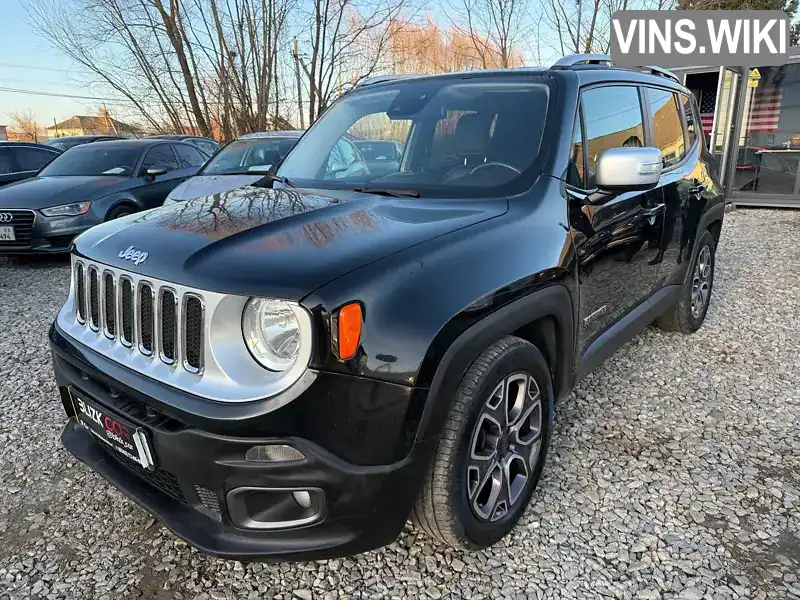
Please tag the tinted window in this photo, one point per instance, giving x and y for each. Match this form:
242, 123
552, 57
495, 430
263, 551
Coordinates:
64, 144
6, 165
613, 118
575, 167
667, 128
470, 137
691, 127
207, 147
94, 159
378, 150
160, 156
32, 159
188, 156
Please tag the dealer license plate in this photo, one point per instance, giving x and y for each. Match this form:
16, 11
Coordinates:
118, 433
7, 234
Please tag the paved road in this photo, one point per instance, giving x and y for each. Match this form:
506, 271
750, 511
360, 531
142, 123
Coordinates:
674, 471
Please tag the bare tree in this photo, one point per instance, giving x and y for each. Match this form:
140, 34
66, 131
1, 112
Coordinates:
494, 28
347, 43
25, 122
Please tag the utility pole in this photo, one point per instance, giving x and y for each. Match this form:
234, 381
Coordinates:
109, 121
296, 54
55, 126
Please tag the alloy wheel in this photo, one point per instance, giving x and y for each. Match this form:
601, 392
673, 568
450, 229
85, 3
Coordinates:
701, 282
504, 447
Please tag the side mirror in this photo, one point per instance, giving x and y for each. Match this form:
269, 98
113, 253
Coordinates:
628, 169
154, 172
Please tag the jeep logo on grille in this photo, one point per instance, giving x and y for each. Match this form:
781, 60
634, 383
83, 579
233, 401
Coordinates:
137, 257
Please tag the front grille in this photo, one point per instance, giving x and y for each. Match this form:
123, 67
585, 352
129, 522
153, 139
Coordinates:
142, 317
168, 309
110, 305
94, 298
146, 318
193, 311
208, 498
163, 480
126, 300
22, 222
80, 290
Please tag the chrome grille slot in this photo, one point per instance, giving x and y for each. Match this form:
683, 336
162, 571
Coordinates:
193, 332
109, 305
167, 329
126, 310
146, 319
80, 290
94, 298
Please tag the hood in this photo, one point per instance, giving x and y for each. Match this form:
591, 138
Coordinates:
41, 192
206, 185
282, 243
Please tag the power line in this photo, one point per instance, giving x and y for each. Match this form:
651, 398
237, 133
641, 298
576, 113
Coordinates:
63, 95
36, 68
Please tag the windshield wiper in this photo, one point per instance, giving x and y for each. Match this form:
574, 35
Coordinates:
281, 179
388, 192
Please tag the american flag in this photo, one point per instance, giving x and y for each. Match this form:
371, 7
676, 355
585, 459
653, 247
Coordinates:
708, 102
762, 112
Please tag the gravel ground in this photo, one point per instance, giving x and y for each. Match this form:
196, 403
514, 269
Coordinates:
674, 471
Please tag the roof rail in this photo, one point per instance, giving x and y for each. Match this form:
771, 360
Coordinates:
572, 60
385, 78
662, 72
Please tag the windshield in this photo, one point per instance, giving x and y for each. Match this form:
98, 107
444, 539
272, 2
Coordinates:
63, 144
94, 159
244, 156
451, 137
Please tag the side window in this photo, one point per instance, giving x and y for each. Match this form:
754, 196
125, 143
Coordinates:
32, 159
160, 156
575, 175
691, 126
6, 166
667, 128
188, 156
207, 147
613, 119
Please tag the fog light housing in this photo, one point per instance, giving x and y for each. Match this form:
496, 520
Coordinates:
273, 453
274, 508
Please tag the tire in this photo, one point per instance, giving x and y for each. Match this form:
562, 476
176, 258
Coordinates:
453, 497
120, 211
688, 313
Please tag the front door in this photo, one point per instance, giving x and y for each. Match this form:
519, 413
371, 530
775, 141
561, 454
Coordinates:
617, 242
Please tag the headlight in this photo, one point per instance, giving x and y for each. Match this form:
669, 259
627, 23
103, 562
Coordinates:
67, 210
272, 333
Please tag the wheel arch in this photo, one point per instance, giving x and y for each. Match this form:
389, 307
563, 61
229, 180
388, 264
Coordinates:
543, 318
124, 201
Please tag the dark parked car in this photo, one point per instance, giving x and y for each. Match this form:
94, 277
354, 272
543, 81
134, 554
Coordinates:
241, 162
70, 141
382, 156
20, 160
207, 145
291, 371
87, 185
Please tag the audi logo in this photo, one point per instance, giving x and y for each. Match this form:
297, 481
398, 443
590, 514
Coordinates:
6, 217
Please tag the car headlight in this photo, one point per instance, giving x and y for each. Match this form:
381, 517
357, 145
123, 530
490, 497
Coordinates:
67, 210
272, 332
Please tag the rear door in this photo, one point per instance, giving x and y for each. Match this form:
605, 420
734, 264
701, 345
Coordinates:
616, 241
675, 130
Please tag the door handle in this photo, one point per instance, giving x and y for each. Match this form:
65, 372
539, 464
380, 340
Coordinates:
698, 188
654, 210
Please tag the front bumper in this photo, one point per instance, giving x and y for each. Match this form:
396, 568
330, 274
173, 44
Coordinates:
44, 235
365, 506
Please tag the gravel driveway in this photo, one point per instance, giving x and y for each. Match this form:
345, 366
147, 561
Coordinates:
674, 470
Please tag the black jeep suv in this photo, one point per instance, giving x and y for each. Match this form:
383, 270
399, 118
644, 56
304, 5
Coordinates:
292, 368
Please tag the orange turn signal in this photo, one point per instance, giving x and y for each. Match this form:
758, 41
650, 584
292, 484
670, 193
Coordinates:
350, 319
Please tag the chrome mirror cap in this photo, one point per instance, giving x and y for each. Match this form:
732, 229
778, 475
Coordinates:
624, 169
